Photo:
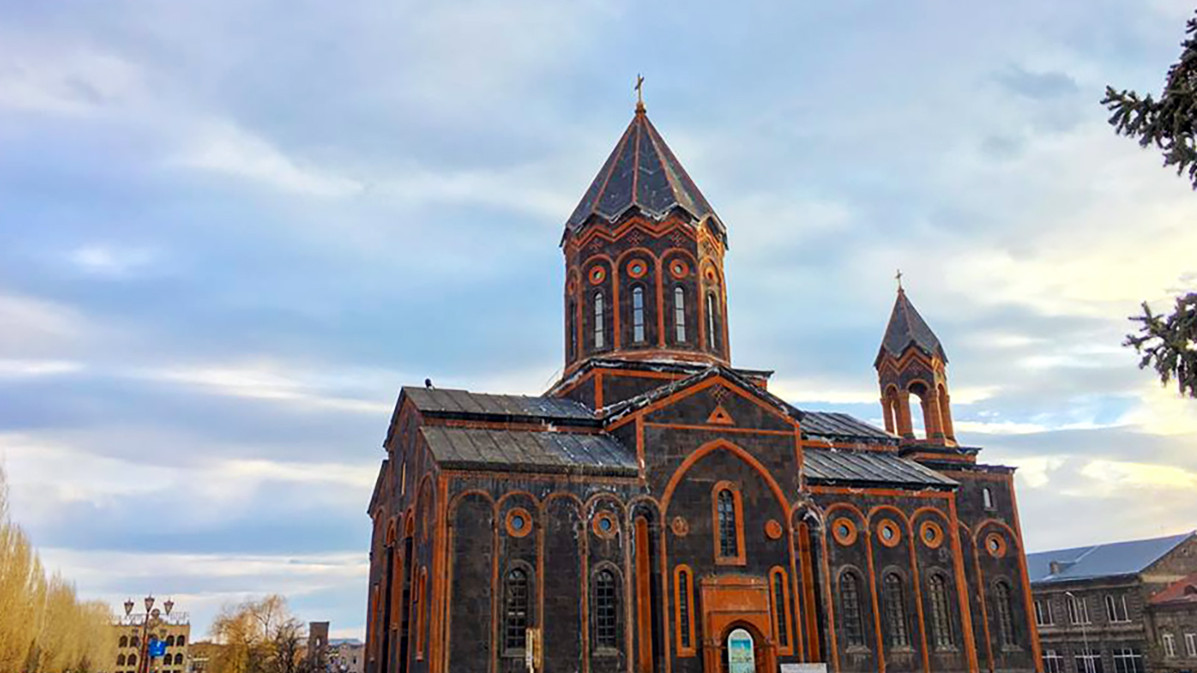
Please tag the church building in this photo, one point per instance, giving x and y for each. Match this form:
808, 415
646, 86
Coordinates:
660, 510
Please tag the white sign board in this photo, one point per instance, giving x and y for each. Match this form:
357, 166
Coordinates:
804, 668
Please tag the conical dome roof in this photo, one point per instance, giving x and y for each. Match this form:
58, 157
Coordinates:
642, 172
907, 328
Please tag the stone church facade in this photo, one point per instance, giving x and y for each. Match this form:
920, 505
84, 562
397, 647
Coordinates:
657, 501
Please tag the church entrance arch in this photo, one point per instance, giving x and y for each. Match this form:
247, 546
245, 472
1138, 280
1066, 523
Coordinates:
735, 612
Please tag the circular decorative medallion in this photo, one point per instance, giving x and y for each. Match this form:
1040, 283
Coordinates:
931, 534
571, 286
637, 268
889, 533
773, 529
679, 526
605, 525
844, 531
995, 544
597, 275
679, 269
519, 522
711, 278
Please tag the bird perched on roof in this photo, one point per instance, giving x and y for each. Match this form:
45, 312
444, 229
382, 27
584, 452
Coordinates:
428, 383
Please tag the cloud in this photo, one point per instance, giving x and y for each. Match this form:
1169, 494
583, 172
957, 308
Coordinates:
73, 79
111, 261
1037, 85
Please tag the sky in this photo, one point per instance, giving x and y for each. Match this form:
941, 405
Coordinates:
230, 230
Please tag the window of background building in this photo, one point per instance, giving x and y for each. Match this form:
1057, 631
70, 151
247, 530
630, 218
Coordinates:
1116, 609
1043, 612
1169, 646
1191, 644
1128, 660
1052, 662
1088, 661
1078, 610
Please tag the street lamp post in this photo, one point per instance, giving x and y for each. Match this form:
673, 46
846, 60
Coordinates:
143, 650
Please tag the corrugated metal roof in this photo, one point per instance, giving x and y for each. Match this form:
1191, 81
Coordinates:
525, 451
1101, 560
836, 425
464, 402
868, 468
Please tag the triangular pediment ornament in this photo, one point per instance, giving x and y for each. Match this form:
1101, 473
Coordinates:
720, 417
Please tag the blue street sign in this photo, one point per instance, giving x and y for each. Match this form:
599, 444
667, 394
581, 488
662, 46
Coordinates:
157, 648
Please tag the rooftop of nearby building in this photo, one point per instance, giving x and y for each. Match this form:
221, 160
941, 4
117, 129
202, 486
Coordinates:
1112, 559
1181, 592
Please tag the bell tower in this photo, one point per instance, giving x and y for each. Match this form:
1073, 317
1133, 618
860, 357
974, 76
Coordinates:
912, 362
644, 261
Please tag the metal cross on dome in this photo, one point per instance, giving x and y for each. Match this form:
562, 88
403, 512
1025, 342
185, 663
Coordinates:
639, 91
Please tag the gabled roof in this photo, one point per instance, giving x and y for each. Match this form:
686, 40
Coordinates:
620, 409
907, 328
1181, 592
868, 468
642, 172
527, 451
834, 425
445, 402
1103, 560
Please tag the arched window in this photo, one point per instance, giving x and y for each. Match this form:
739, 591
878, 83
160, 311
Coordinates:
850, 609
638, 314
170, 641
599, 328
679, 314
729, 535
132, 660
895, 612
124, 642
712, 323
941, 620
781, 607
181, 640
134, 642
606, 610
515, 609
683, 587
987, 498
178, 659
120, 659
1005, 612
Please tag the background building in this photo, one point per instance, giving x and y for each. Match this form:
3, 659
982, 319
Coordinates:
346, 655
133, 635
1172, 626
1095, 606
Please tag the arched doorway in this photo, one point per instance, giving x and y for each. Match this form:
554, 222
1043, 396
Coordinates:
744, 650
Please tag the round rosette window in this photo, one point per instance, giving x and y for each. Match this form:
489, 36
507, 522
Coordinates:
605, 525
844, 531
889, 533
519, 522
679, 269
597, 275
995, 545
931, 534
637, 268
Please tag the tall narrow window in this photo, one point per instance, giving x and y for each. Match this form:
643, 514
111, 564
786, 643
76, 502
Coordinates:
895, 611
683, 587
1043, 612
515, 610
1191, 644
987, 497
638, 314
1088, 661
1052, 662
850, 609
120, 660
1116, 609
781, 607
941, 620
1128, 660
421, 618
712, 323
571, 336
1005, 613
1169, 645
679, 314
606, 610
727, 525
124, 642
599, 328
1078, 610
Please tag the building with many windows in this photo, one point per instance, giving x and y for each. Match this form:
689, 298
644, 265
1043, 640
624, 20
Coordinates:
1173, 624
135, 638
1096, 606
658, 509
